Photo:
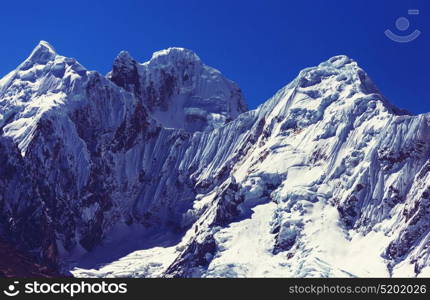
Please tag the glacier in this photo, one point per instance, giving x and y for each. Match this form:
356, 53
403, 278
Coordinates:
158, 169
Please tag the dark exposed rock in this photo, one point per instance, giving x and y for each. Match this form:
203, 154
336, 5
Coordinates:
196, 255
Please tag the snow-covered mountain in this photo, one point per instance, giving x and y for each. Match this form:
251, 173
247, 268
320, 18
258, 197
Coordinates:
157, 169
179, 90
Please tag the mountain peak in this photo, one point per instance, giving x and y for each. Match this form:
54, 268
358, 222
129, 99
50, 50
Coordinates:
339, 61
179, 89
124, 60
124, 56
46, 45
174, 53
42, 53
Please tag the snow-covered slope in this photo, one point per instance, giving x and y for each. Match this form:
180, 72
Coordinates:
40, 83
324, 179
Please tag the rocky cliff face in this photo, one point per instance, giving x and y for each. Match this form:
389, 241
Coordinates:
162, 156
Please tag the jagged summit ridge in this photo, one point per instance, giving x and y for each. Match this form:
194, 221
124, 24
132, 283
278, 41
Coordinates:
339, 81
159, 158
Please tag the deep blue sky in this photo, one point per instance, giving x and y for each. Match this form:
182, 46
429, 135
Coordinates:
262, 45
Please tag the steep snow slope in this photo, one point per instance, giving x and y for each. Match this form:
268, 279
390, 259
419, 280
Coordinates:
337, 178
324, 179
82, 157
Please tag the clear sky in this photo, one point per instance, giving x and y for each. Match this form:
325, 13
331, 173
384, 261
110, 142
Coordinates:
262, 45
